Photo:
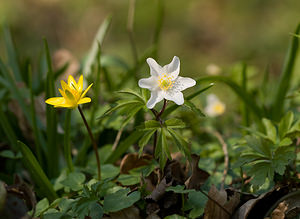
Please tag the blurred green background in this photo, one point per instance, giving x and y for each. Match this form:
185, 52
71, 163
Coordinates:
198, 31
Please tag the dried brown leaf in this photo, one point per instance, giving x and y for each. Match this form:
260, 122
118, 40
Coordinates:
217, 199
131, 161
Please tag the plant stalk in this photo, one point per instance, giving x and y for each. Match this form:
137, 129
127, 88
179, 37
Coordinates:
67, 145
93, 142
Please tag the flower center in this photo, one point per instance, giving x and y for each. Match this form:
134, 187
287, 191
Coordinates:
219, 108
165, 82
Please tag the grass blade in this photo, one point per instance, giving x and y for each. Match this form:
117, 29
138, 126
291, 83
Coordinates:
67, 145
123, 147
285, 80
44, 187
11, 54
94, 49
52, 146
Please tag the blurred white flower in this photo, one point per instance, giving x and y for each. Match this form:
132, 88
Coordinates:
213, 69
165, 83
214, 106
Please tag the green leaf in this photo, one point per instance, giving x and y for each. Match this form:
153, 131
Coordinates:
172, 108
286, 76
109, 171
285, 124
162, 151
41, 206
150, 125
11, 53
196, 201
175, 216
180, 142
10, 154
52, 146
179, 189
120, 104
133, 93
258, 146
74, 181
36, 172
270, 130
192, 107
120, 200
129, 179
94, 49
175, 123
145, 139
123, 146
285, 142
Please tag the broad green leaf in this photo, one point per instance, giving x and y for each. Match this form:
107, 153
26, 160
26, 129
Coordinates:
286, 76
129, 179
175, 216
270, 130
285, 124
285, 142
74, 181
109, 171
179, 189
258, 146
10, 154
196, 201
120, 200
41, 206
29, 161
175, 123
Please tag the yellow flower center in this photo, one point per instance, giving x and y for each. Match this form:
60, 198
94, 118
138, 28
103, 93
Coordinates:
165, 82
219, 108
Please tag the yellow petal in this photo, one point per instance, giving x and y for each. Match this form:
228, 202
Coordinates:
80, 83
61, 92
64, 85
72, 83
56, 101
84, 100
84, 93
69, 96
66, 105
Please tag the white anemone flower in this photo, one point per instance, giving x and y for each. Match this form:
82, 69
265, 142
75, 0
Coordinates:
165, 83
214, 106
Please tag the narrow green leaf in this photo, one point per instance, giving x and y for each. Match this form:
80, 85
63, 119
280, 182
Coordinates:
175, 123
94, 49
12, 54
43, 184
192, 107
150, 125
8, 129
173, 107
180, 142
145, 139
67, 141
52, 146
124, 145
164, 143
132, 92
286, 76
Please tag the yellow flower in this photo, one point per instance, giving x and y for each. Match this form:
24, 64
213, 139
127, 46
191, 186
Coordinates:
72, 94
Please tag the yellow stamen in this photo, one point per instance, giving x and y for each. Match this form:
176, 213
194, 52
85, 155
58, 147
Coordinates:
165, 82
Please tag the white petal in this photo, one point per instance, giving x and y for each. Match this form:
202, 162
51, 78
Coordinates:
149, 83
176, 97
183, 83
155, 69
156, 96
173, 68
212, 98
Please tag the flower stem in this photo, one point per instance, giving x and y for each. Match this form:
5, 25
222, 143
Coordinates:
67, 145
93, 142
157, 117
